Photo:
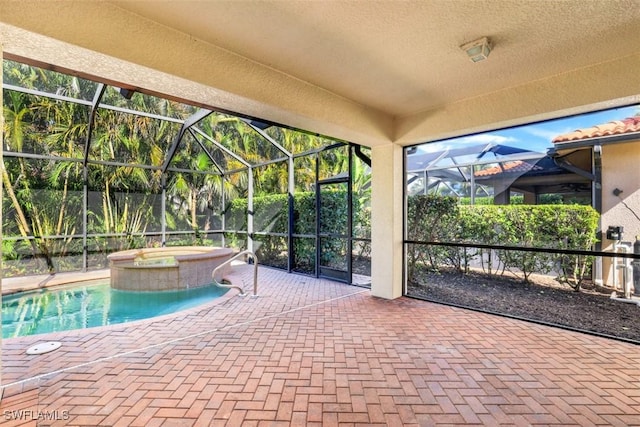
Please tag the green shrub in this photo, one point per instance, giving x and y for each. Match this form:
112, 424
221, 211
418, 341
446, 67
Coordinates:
271, 214
431, 218
437, 218
480, 224
543, 199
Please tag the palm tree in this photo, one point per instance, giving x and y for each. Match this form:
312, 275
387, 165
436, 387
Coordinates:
15, 174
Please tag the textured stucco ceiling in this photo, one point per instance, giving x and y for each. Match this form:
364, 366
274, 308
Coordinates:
403, 57
372, 72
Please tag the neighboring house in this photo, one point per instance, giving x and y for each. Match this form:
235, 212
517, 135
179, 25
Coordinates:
492, 170
536, 177
598, 165
614, 148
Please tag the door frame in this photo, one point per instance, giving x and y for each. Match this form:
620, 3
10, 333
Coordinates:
326, 271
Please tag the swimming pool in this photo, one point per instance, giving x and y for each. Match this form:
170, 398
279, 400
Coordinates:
90, 305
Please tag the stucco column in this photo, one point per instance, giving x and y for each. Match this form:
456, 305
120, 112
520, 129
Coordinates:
387, 182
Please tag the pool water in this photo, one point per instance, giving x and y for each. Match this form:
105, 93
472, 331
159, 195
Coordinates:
86, 306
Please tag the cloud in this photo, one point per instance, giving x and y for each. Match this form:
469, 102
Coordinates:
486, 138
547, 133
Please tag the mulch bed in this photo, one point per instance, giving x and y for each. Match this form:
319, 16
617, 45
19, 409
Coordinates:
542, 300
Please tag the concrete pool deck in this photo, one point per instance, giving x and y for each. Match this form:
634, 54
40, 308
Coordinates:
315, 352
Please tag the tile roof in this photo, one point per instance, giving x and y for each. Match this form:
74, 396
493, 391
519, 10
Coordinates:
516, 166
616, 127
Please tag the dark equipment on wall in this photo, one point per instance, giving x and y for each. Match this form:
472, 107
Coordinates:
614, 232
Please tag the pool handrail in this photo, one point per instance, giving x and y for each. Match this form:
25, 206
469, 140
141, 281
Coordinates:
229, 261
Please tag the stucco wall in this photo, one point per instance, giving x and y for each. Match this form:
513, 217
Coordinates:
621, 170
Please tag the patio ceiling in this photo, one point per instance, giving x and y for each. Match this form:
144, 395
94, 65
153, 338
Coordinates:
403, 58
372, 72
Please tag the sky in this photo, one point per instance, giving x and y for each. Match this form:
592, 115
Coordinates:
536, 137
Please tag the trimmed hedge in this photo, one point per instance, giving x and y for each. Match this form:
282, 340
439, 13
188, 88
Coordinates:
437, 218
544, 199
271, 214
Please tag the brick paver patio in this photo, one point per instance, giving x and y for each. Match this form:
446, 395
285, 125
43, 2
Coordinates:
314, 352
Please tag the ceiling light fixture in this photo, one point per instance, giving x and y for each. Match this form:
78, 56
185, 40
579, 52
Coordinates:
477, 50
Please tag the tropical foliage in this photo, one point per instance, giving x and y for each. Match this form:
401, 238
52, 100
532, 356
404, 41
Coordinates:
86, 169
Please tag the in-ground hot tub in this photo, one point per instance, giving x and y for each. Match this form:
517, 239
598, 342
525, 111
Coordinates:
159, 269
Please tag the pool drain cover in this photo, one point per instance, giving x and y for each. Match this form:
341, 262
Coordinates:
44, 347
